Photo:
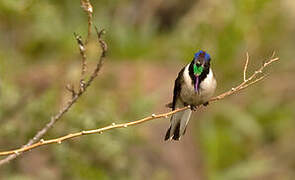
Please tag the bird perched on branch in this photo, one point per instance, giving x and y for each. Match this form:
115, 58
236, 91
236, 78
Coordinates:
194, 86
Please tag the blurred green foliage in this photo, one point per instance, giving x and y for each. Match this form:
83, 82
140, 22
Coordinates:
247, 136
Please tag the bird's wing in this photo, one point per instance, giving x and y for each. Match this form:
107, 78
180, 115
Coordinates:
177, 88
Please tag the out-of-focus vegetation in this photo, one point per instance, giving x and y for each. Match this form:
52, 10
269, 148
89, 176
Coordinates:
247, 136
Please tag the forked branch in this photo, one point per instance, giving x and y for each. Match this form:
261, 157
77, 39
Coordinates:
76, 94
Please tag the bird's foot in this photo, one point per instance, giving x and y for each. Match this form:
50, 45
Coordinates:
206, 104
193, 107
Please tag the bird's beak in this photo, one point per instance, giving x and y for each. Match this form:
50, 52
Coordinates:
200, 62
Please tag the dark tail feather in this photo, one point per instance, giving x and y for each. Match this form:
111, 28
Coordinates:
176, 133
167, 136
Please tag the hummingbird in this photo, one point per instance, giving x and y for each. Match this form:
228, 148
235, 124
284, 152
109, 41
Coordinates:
194, 86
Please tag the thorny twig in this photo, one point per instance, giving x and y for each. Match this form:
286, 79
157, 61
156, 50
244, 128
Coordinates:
70, 88
254, 78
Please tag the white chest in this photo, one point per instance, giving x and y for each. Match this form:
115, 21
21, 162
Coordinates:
206, 91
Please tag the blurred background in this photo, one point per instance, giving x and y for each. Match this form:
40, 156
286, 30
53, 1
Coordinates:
246, 136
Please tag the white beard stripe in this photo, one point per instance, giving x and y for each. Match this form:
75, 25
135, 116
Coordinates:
187, 78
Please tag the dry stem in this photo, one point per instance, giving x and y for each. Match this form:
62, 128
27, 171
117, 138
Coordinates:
254, 78
87, 7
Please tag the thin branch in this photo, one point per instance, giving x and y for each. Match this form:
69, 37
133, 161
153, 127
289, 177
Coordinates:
254, 78
104, 49
253, 82
82, 50
246, 66
94, 131
63, 110
250, 81
87, 7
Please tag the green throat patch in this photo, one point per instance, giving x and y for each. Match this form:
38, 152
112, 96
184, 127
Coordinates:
198, 70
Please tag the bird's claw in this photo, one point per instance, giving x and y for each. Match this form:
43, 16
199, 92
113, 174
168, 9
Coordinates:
193, 107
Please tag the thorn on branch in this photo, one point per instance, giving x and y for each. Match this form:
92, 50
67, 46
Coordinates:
82, 85
71, 89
